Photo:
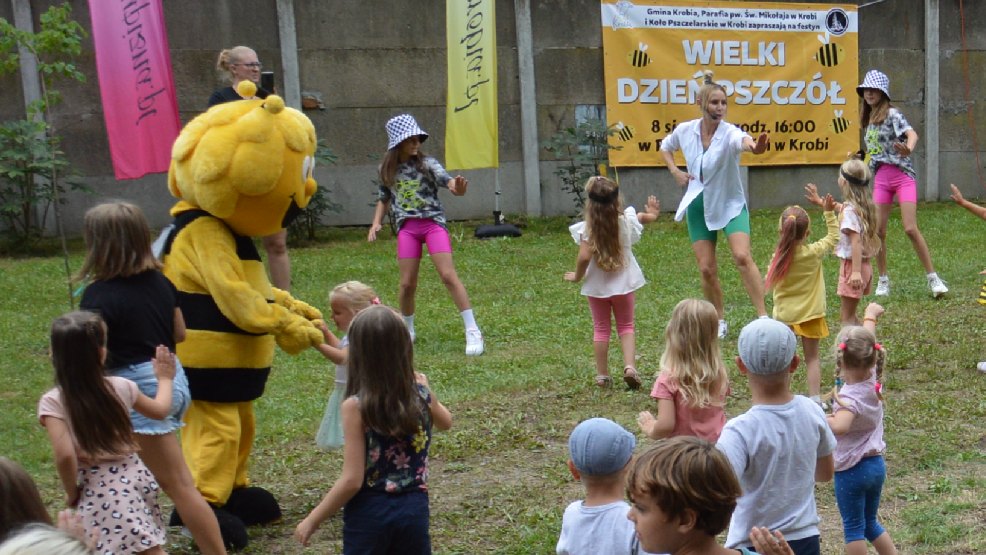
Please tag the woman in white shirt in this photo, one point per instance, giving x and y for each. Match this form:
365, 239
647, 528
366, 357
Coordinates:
714, 199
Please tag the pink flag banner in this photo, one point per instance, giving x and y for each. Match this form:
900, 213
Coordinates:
136, 84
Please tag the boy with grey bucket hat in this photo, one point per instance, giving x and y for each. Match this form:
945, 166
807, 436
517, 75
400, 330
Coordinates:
780, 447
600, 451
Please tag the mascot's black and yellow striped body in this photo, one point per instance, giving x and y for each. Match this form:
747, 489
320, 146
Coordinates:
223, 362
240, 170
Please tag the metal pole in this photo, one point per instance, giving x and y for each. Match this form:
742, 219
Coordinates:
30, 83
528, 107
289, 53
932, 100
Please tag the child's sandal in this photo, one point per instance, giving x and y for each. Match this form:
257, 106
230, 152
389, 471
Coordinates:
603, 382
631, 378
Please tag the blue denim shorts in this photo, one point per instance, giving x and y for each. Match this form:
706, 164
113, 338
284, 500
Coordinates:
143, 375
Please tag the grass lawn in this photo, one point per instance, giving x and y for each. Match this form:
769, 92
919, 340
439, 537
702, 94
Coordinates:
498, 478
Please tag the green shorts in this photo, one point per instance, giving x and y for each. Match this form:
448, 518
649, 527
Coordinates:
698, 231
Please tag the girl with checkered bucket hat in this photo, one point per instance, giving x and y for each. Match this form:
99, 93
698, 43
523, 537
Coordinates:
890, 139
409, 183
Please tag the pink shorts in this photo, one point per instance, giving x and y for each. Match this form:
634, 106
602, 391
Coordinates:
417, 231
889, 181
846, 290
621, 306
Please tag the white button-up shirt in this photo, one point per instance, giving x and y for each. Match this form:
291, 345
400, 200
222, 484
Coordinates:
716, 171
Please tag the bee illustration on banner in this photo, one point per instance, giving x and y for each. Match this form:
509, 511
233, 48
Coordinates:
829, 54
839, 123
639, 57
624, 132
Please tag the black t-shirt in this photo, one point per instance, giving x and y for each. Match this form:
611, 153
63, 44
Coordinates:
139, 312
229, 94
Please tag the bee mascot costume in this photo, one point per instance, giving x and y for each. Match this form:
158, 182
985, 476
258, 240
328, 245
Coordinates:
243, 169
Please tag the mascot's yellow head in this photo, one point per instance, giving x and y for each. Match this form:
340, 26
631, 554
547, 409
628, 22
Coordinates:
248, 163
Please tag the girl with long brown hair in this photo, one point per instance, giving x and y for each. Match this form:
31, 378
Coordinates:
139, 307
86, 418
610, 270
387, 421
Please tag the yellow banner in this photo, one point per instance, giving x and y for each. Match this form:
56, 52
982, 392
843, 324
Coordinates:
790, 70
471, 132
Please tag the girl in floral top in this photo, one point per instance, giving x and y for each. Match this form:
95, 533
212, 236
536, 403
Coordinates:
387, 421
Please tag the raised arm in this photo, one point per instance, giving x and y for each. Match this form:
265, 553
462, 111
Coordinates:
457, 185
871, 315
970, 206
758, 146
651, 211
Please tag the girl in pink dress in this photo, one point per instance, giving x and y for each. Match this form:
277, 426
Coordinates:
692, 386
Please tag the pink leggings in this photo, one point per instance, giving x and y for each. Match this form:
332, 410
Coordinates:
621, 306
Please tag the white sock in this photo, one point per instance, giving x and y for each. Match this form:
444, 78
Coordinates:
885, 277
409, 321
932, 275
469, 319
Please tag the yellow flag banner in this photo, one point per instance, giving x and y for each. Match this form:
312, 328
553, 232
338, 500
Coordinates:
471, 132
789, 70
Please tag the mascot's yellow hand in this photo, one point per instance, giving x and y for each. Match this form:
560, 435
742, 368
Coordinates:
298, 336
300, 308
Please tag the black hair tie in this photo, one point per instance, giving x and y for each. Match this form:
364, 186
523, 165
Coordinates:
604, 199
854, 180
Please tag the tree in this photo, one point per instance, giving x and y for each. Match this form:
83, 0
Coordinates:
32, 171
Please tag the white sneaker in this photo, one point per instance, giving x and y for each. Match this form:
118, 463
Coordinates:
937, 286
981, 367
723, 329
883, 286
411, 332
474, 342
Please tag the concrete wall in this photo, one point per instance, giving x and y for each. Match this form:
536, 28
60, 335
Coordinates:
373, 59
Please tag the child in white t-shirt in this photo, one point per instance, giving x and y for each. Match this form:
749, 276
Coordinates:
600, 451
780, 447
610, 270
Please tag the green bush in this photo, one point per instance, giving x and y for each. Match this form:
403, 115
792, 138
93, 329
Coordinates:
29, 162
585, 148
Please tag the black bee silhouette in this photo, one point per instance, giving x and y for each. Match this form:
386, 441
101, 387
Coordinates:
624, 132
830, 53
839, 123
639, 57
